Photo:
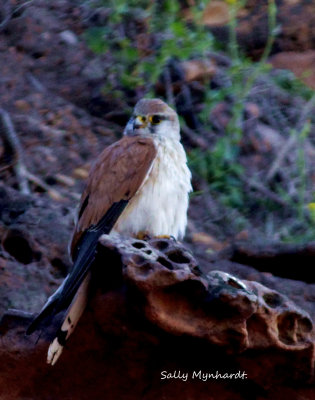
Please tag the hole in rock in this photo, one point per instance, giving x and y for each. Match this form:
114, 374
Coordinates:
138, 245
177, 257
272, 299
286, 328
37, 54
18, 247
160, 244
165, 263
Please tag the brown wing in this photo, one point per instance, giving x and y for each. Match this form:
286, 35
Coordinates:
114, 179
117, 175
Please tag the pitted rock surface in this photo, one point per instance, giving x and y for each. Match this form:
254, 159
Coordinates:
217, 306
154, 311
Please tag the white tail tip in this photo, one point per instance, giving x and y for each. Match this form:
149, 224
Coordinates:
54, 352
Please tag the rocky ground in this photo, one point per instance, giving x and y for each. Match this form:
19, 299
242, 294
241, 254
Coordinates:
51, 92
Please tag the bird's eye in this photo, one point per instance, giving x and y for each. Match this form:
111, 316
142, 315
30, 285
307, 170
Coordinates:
141, 119
155, 119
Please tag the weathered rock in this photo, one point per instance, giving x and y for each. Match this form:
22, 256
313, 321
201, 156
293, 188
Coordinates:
30, 223
172, 285
34, 233
155, 313
286, 268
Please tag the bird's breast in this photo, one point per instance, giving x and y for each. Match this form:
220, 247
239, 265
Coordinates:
160, 205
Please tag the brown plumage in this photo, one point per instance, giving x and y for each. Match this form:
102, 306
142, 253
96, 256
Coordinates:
139, 184
117, 175
145, 107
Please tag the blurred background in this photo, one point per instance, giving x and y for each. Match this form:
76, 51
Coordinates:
239, 73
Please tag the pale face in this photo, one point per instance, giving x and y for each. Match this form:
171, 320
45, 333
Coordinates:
153, 118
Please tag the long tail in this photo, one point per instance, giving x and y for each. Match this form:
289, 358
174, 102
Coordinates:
72, 317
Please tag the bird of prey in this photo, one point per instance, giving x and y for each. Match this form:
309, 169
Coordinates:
138, 186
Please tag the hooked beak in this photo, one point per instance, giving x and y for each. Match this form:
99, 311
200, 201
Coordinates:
140, 122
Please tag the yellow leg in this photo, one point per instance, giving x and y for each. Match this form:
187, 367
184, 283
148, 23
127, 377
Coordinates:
163, 237
146, 236
142, 235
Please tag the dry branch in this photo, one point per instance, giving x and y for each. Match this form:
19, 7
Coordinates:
280, 158
6, 11
168, 87
12, 141
13, 144
276, 165
10, 12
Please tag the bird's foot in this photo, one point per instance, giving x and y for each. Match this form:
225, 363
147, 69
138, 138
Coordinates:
146, 236
165, 237
143, 236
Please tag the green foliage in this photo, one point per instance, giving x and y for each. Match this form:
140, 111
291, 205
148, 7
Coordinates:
294, 86
244, 72
95, 40
301, 168
303, 227
222, 175
220, 166
140, 68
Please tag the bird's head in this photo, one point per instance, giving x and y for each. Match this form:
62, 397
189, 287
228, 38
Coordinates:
153, 117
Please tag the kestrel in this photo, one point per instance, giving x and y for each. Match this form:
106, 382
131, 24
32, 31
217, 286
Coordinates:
138, 186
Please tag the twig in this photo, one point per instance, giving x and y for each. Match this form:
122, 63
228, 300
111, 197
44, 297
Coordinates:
307, 108
41, 126
17, 10
7, 15
9, 12
35, 83
10, 137
290, 142
39, 182
168, 86
281, 156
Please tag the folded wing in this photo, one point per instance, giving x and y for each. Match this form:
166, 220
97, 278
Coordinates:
115, 178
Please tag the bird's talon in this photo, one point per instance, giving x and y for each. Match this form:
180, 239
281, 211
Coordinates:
169, 237
143, 236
